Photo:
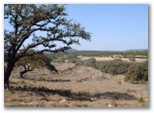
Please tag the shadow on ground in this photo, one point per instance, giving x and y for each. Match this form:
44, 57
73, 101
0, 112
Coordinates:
82, 96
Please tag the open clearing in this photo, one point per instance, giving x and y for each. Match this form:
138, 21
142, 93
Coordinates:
112, 58
74, 86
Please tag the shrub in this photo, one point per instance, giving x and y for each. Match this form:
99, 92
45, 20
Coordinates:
89, 62
131, 57
141, 100
137, 72
73, 60
113, 67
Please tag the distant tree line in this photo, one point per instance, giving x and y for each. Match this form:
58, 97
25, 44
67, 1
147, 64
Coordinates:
125, 54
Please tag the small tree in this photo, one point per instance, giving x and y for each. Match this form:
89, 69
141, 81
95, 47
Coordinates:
36, 61
27, 22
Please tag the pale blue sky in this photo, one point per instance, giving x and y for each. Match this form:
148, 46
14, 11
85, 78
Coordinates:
113, 27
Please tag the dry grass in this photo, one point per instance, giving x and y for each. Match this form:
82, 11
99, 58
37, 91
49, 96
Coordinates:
66, 90
130, 90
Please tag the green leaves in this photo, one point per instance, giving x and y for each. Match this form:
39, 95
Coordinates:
36, 61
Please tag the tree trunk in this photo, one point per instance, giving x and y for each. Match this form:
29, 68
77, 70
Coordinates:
6, 79
7, 74
22, 73
27, 68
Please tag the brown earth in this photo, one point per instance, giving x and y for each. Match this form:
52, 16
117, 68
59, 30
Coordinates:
74, 86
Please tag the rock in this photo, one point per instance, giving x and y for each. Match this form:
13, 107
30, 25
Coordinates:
93, 99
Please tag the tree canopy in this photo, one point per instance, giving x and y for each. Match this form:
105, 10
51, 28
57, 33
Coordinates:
30, 63
26, 21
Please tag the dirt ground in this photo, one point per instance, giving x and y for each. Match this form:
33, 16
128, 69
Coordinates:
113, 58
73, 86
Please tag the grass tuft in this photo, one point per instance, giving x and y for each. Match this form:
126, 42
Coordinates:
140, 100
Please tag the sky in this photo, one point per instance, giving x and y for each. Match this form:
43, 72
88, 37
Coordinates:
113, 27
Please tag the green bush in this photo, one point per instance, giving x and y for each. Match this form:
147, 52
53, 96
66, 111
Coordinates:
73, 60
113, 67
140, 100
132, 58
89, 62
137, 72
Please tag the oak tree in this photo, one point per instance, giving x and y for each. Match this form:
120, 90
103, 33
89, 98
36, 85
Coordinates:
40, 27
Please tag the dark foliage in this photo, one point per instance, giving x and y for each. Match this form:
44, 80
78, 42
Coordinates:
137, 72
113, 67
89, 62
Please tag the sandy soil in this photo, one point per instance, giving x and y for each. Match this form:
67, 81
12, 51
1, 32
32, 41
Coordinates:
77, 86
112, 58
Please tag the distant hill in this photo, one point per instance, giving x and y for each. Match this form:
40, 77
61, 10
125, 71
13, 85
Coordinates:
137, 50
71, 50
